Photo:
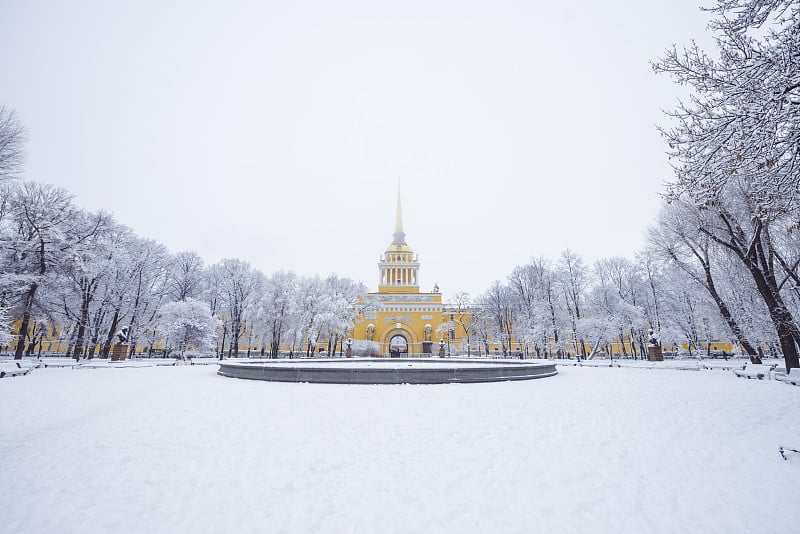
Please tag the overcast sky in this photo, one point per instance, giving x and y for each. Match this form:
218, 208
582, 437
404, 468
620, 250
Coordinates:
276, 132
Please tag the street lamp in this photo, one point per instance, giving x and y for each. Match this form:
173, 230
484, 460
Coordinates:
224, 334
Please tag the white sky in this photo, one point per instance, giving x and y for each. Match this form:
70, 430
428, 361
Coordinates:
275, 132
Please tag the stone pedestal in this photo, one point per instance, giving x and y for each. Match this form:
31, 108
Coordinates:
119, 352
427, 347
654, 353
441, 352
348, 353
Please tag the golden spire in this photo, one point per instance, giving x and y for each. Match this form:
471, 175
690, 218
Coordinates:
399, 237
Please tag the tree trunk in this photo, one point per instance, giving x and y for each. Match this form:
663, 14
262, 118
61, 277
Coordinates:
22, 333
726, 313
32, 344
236, 332
81, 328
782, 319
107, 343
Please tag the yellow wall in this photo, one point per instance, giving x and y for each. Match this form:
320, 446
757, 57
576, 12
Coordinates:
408, 317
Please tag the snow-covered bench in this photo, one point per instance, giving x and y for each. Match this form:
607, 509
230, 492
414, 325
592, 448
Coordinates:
57, 362
728, 365
14, 368
753, 370
204, 361
599, 362
792, 378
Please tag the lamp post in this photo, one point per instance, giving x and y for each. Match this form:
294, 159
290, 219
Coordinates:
450, 336
224, 333
469, 355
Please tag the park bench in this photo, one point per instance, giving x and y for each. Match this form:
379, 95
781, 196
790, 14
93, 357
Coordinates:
53, 362
726, 365
753, 370
599, 362
14, 368
204, 361
792, 378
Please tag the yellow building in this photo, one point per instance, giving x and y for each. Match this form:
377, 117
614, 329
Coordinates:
399, 317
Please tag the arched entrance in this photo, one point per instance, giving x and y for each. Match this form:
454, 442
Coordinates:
398, 346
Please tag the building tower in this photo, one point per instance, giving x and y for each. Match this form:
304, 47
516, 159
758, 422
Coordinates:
400, 319
399, 266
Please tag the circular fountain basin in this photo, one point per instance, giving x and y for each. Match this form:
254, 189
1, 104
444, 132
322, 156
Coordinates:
387, 371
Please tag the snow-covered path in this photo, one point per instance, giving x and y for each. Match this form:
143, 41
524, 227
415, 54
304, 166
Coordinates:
590, 450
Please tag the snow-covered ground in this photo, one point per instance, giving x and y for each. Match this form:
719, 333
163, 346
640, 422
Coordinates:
181, 449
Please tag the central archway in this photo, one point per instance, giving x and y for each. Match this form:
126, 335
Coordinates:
398, 346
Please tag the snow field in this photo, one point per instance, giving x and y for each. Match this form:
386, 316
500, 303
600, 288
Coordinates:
181, 449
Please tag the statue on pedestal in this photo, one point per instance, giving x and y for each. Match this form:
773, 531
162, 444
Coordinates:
122, 335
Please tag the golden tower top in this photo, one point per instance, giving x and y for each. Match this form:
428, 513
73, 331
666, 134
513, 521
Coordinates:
399, 237
399, 266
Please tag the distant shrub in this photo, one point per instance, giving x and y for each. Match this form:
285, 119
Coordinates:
365, 349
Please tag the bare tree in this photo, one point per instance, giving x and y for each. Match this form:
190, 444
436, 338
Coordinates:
462, 310
186, 276
12, 140
498, 304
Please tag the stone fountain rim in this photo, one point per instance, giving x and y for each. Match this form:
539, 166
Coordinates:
387, 370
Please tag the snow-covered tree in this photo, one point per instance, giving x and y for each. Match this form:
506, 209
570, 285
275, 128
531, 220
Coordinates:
188, 324
5, 327
311, 306
736, 145
743, 118
276, 310
119, 284
81, 270
497, 311
676, 237
365, 349
12, 141
185, 276
573, 278
343, 295
540, 318
147, 264
236, 286
461, 309
620, 294
34, 237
